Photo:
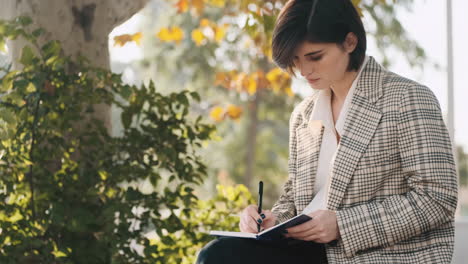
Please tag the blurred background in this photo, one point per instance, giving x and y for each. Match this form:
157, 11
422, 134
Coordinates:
221, 53
221, 49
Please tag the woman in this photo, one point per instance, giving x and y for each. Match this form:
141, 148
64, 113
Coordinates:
370, 157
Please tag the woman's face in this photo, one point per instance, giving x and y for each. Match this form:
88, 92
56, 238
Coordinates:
323, 65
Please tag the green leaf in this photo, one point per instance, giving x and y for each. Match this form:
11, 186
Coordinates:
126, 119
31, 88
24, 20
36, 33
27, 56
7, 116
20, 85
7, 82
125, 92
2, 45
51, 48
195, 96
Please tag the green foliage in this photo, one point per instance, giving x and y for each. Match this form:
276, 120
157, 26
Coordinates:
219, 213
72, 192
462, 162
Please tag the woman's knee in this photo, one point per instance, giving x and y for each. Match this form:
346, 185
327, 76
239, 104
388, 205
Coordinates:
221, 250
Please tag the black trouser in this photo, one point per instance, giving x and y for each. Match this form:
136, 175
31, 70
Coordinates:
228, 250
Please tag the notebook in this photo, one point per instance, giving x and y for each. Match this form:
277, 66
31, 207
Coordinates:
273, 233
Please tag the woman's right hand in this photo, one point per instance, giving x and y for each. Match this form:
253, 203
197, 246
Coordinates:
250, 216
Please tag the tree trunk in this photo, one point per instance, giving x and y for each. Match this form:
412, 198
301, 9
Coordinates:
252, 140
81, 26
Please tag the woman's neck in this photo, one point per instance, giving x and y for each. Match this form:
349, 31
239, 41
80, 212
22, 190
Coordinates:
340, 89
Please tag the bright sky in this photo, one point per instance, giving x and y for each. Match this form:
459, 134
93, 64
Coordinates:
426, 24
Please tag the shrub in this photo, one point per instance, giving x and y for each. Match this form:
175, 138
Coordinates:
72, 192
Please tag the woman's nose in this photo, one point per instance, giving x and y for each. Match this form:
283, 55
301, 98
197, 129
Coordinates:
304, 69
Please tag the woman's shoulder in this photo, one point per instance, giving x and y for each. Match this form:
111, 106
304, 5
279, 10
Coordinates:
400, 88
305, 107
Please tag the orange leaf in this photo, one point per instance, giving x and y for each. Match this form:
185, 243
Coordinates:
222, 79
199, 6
122, 39
234, 112
182, 6
204, 22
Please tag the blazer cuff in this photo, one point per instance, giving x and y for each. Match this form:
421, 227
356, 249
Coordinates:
356, 230
282, 216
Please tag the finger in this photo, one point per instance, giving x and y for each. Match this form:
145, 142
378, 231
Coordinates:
249, 223
303, 234
244, 228
268, 214
254, 213
252, 222
302, 227
248, 229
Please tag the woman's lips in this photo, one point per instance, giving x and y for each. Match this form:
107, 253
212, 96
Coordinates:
311, 81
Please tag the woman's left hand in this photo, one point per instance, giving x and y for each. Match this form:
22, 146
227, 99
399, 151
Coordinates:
323, 228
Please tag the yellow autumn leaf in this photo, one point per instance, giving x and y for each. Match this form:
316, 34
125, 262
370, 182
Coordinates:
234, 112
123, 39
274, 75
289, 91
240, 81
197, 36
177, 34
220, 32
216, 3
204, 22
182, 6
251, 85
164, 34
171, 34
217, 114
137, 37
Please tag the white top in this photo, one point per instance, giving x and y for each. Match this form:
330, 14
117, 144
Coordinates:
322, 111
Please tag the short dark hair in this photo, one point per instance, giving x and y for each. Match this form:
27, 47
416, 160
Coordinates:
317, 21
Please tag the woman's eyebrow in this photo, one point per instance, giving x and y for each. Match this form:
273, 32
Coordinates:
313, 53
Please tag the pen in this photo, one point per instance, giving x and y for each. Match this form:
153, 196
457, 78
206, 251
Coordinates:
260, 195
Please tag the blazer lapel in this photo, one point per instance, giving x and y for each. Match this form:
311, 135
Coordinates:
310, 138
360, 125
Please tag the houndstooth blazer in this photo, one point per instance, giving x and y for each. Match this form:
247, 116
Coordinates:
393, 183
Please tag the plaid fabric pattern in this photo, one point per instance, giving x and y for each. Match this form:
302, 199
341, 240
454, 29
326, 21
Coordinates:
393, 183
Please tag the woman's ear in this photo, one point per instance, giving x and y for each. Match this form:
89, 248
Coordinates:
350, 42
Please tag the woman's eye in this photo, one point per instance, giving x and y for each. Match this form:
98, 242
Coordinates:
315, 58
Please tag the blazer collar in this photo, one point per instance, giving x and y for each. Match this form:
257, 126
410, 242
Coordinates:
369, 86
370, 82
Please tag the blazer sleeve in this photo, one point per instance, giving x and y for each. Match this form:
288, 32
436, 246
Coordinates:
285, 208
428, 164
